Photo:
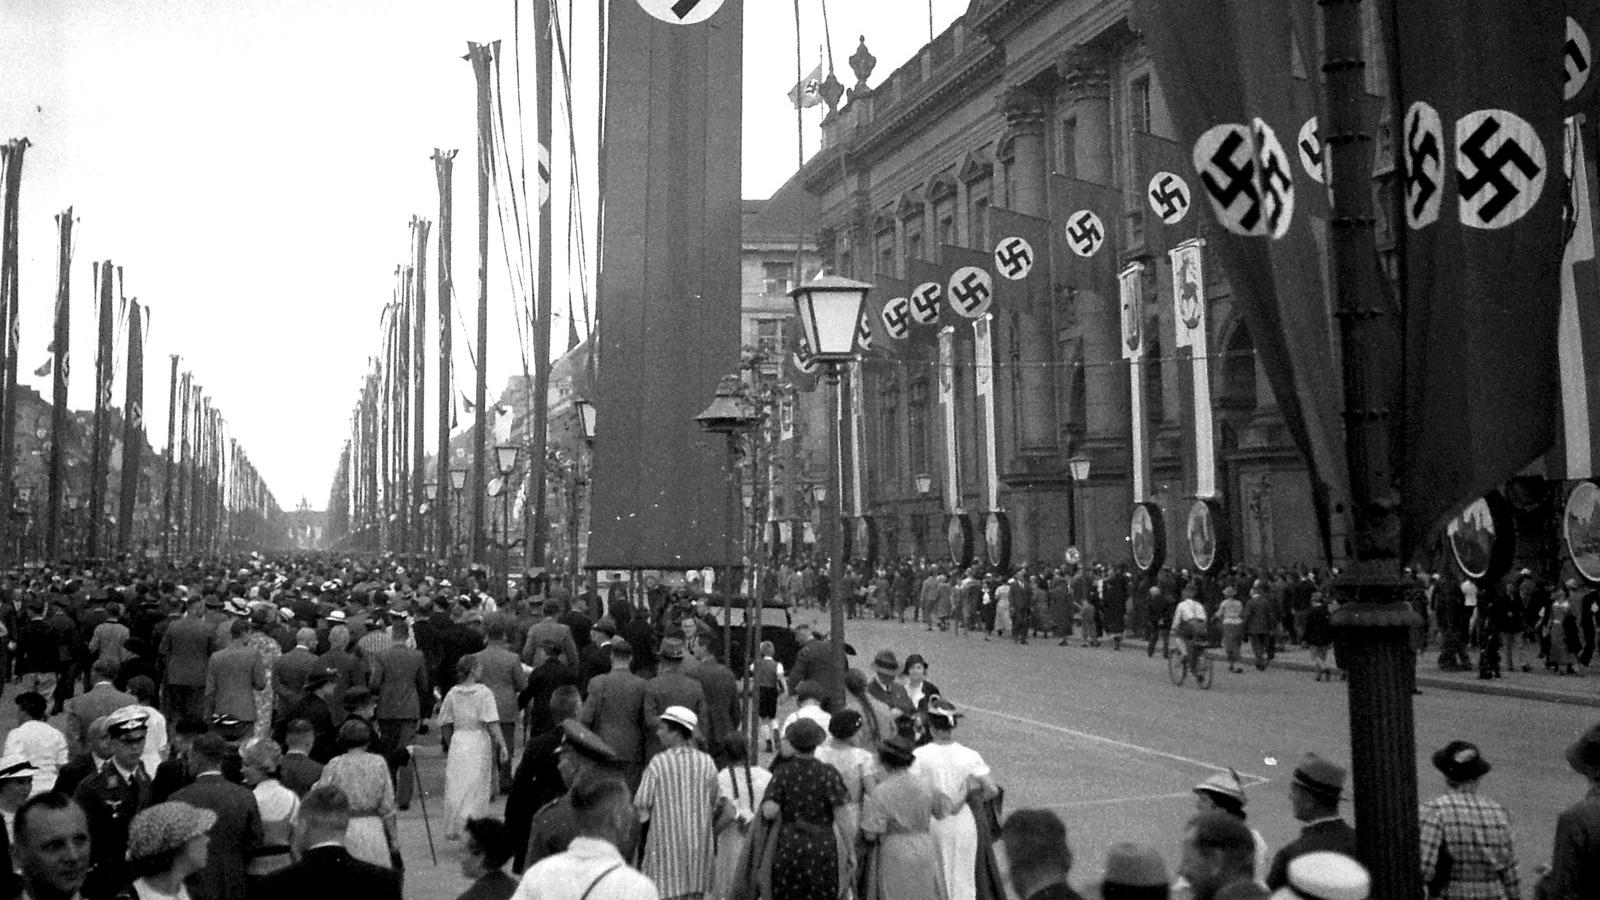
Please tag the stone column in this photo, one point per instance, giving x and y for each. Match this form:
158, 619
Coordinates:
1035, 395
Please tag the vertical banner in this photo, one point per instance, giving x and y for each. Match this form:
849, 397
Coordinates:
1189, 314
1132, 282
947, 406
1579, 330
132, 429
858, 418
983, 353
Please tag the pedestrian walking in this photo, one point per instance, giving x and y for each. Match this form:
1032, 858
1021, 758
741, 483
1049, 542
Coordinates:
1575, 857
958, 775
1466, 848
167, 844
1230, 615
362, 777
277, 805
740, 787
897, 815
36, 740
1318, 635
802, 801
592, 865
1259, 624
237, 834
677, 797
469, 729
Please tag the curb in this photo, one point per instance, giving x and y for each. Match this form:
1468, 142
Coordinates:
1472, 687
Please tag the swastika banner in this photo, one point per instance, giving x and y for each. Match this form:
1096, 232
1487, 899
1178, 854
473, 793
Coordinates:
1164, 174
889, 310
1484, 190
1021, 244
1086, 231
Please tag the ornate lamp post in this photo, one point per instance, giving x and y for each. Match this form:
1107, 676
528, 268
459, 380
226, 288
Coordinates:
458, 482
731, 415
430, 496
1078, 468
505, 460
829, 310
587, 419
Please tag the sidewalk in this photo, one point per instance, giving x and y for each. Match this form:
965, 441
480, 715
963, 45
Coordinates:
1582, 689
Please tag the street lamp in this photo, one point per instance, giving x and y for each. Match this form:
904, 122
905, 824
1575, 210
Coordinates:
458, 482
924, 488
500, 488
586, 417
730, 415
829, 309
505, 458
1078, 468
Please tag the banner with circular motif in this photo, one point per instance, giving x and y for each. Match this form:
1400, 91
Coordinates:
1580, 526
1206, 536
1147, 538
1013, 257
958, 535
681, 12
1483, 538
970, 291
997, 539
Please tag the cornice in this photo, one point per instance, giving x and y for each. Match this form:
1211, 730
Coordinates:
963, 78
1001, 17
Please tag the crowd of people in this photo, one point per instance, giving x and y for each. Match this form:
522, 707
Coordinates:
241, 727
1519, 622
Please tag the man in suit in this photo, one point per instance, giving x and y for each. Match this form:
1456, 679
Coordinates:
185, 649
399, 676
290, 671
339, 658
325, 870
550, 671
173, 773
503, 675
298, 771
816, 661
95, 756
111, 797
548, 629
721, 688
102, 700
1314, 793
615, 710
315, 705
51, 846
237, 833
234, 675
670, 687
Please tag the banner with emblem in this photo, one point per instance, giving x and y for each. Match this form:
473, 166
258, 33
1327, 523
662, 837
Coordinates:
1020, 261
925, 301
889, 309
1225, 66
1189, 315
1578, 341
1085, 219
1162, 170
968, 299
1483, 197
799, 369
969, 285
1131, 289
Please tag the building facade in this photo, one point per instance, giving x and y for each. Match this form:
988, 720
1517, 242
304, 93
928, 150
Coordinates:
1010, 95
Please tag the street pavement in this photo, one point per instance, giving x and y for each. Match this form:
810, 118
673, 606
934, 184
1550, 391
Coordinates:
1107, 741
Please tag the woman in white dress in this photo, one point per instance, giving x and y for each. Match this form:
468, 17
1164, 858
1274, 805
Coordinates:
469, 725
276, 803
956, 773
363, 776
740, 788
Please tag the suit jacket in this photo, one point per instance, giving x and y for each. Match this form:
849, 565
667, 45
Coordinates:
329, 873
290, 672
615, 711
400, 678
234, 838
79, 767
670, 689
503, 675
542, 682
299, 773
721, 690
232, 678
102, 700
314, 709
171, 776
893, 696
550, 628
1335, 835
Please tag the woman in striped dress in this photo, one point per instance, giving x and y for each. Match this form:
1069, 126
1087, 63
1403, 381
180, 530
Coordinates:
677, 796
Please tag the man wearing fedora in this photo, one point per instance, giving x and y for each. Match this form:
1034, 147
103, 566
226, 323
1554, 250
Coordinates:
670, 687
1466, 837
1575, 859
1314, 794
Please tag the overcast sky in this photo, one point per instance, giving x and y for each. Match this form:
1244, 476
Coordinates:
253, 168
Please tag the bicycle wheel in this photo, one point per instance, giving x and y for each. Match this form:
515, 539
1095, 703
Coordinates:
1203, 674
1176, 670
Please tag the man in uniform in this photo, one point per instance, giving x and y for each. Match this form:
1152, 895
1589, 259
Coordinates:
111, 797
581, 753
538, 777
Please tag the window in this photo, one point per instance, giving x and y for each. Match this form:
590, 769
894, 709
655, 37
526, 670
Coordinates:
944, 218
914, 249
886, 260
769, 336
917, 425
1067, 148
777, 277
1139, 105
978, 214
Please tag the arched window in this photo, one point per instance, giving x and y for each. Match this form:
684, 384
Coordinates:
1236, 389
1154, 412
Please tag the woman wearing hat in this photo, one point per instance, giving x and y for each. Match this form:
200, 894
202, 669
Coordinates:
921, 691
1466, 837
805, 799
1224, 793
902, 862
469, 725
958, 774
276, 803
363, 776
678, 796
167, 843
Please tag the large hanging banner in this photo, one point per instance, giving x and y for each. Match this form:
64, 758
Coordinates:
983, 350
1189, 314
947, 406
1578, 340
1132, 284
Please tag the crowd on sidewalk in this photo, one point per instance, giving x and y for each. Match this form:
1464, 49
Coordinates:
245, 727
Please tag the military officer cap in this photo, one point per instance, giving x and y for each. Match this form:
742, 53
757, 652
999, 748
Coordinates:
127, 722
15, 765
575, 737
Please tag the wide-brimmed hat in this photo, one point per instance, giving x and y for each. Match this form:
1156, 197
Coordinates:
1135, 865
166, 826
1325, 875
1319, 777
671, 648
682, 715
1223, 784
804, 735
1584, 753
15, 765
897, 751
606, 626
1460, 761
886, 660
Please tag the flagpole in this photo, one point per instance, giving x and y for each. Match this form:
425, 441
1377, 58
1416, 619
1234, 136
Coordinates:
419, 401
166, 484
58, 396
179, 538
102, 400
14, 151
443, 161
1374, 630
481, 55
132, 429
535, 533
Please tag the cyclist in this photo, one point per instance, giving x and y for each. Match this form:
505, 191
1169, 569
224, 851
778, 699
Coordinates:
1189, 627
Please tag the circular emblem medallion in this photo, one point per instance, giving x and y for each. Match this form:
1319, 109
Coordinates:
1581, 528
1147, 538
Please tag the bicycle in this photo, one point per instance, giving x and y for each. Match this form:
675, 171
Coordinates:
1196, 661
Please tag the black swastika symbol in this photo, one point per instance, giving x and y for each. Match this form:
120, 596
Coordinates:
1085, 233
1275, 187
1169, 197
925, 303
970, 293
1418, 153
1491, 169
682, 8
1014, 257
1576, 61
1241, 180
896, 317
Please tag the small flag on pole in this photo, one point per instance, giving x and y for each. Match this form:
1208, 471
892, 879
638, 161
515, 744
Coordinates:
808, 92
45, 370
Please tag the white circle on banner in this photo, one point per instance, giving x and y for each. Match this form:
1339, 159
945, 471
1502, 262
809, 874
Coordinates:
1169, 197
1423, 169
896, 316
1500, 167
971, 290
1225, 159
1013, 257
681, 12
1576, 60
1277, 180
1310, 146
925, 303
1085, 232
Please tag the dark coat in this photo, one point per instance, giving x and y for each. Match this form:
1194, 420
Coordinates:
186, 646
536, 782
1335, 835
234, 838
400, 676
314, 709
299, 773
233, 676
542, 682
290, 672
721, 689
110, 802
615, 711
329, 873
